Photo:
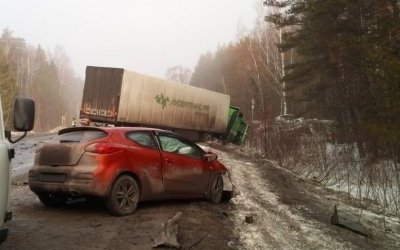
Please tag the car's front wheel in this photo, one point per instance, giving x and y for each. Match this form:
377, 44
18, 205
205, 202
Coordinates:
216, 189
124, 196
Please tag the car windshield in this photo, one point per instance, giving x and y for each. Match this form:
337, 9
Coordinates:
81, 136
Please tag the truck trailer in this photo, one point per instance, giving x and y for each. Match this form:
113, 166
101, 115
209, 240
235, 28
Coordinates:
119, 97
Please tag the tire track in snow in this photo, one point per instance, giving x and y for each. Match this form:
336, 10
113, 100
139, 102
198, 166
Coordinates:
272, 224
275, 225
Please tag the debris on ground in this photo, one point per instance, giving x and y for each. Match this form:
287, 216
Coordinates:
249, 219
195, 243
348, 224
169, 233
95, 223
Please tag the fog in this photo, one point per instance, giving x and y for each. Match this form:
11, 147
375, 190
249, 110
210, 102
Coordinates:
141, 35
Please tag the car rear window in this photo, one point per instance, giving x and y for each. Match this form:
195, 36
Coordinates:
81, 136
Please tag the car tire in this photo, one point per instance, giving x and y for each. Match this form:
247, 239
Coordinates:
50, 200
124, 196
216, 189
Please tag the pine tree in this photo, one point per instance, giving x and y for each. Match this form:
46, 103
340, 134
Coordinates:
7, 91
349, 64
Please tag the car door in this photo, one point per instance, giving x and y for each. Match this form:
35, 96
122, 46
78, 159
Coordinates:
144, 156
184, 170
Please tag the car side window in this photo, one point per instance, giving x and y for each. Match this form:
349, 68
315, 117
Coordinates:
177, 146
143, 138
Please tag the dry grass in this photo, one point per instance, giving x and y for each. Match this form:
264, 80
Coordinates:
311, 154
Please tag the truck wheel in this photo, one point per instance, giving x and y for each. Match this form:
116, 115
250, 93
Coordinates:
50, 200
216, 189
124, 196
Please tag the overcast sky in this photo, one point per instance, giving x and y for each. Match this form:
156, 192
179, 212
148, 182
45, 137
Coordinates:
146, 36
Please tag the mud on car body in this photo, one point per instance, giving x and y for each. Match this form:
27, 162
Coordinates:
124, 166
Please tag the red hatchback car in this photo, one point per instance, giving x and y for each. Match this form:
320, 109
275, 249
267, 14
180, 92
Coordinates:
124, 165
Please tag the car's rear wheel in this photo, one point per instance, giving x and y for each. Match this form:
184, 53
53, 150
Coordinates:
216, 189
51, 200
124, 196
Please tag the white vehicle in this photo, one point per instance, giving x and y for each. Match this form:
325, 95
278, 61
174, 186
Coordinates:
24, 113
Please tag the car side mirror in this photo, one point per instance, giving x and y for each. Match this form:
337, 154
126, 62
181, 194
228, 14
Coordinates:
210, 157
24, 114
24, 117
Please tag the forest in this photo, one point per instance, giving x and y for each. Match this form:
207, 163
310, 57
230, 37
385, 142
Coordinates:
45, 76
332, 60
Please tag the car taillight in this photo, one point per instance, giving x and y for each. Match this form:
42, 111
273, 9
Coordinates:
102, 148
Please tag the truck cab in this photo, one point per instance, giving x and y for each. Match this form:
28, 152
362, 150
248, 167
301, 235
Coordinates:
237, 126
24, 113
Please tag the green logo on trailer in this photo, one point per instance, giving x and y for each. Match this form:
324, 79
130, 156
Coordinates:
197, 107
161, 99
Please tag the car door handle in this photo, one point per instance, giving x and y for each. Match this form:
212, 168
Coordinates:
167, 160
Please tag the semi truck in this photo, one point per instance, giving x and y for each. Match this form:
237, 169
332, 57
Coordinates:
115, 96
24, 113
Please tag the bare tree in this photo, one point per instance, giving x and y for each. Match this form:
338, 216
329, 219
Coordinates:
179, 73
265, 61
70, 86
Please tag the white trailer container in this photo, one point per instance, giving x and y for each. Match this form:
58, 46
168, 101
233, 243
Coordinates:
120, 97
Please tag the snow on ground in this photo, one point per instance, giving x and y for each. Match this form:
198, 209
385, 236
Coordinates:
275, 226
387, 227
25, 149
280, 226
377, 181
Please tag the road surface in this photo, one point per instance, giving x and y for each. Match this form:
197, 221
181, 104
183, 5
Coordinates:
272, 209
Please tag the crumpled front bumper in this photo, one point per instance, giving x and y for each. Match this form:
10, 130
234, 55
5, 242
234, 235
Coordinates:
228, 184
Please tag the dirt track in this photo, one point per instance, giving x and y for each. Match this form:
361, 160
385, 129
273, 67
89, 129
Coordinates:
87, 225
288, 213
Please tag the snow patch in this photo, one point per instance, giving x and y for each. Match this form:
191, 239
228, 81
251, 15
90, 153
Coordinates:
275, 225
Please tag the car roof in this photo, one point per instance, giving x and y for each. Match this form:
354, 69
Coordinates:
110, 129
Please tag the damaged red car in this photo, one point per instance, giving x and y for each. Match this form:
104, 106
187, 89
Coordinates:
124, 165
